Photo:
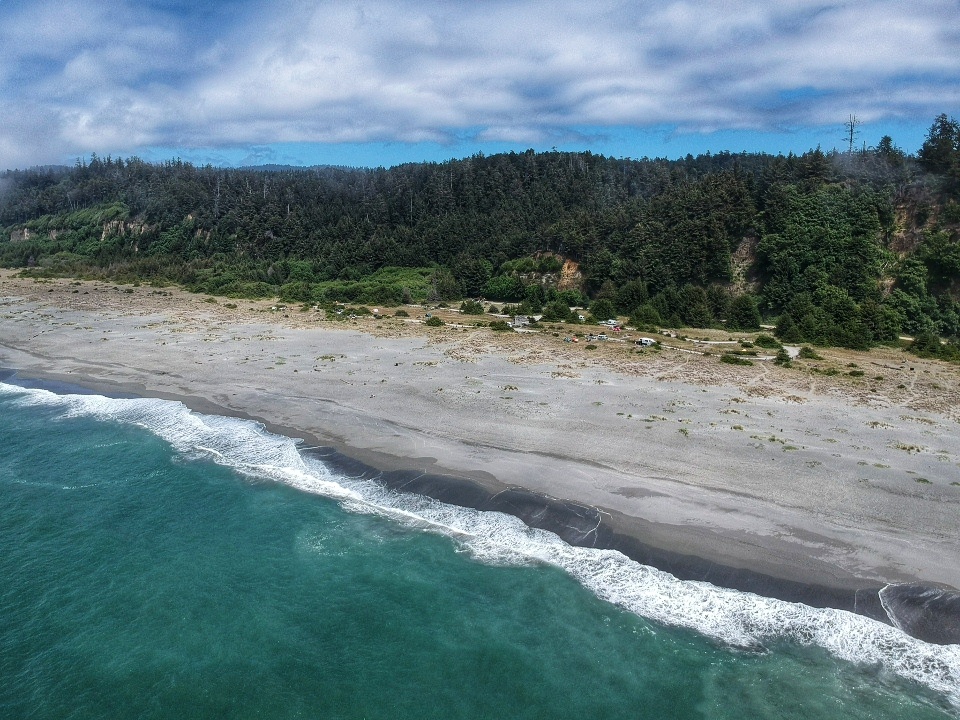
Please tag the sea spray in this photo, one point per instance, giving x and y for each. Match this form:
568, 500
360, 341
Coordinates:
736, 618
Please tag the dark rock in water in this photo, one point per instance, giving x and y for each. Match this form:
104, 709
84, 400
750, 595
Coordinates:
928, 613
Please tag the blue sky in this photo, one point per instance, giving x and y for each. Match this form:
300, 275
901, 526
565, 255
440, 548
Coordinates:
391, 81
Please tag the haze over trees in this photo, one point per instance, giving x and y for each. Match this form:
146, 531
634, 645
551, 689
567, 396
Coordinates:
849, 248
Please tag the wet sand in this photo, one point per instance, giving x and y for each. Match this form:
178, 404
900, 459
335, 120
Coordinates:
807, 475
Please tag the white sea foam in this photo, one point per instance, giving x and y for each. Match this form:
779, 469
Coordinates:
737, 618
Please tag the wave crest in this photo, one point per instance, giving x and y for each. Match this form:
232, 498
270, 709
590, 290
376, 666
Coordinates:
737, 618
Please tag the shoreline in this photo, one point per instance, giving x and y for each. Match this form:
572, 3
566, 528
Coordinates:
594, 449
923, 611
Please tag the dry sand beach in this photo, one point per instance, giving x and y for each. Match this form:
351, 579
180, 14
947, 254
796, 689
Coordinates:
845, 481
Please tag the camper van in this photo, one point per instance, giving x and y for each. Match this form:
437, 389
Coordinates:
645, 342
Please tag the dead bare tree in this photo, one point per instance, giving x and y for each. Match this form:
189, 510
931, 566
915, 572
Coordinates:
851, 133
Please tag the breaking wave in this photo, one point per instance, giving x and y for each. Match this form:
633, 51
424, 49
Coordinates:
737, 618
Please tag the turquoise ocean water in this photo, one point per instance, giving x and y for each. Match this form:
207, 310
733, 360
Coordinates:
157, 563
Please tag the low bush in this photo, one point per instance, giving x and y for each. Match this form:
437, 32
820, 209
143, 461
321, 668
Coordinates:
765, 341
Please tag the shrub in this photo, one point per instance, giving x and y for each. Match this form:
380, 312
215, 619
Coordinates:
929, 345
743, 313
556, 311
765, 341
735, 360
602, 309
401, 313
500, 326
471, 307
783, 358
808, 353
434, 321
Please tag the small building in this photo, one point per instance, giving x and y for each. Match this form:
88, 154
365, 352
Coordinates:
520, 321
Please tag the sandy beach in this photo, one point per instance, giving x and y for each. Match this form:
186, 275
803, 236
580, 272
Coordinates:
808, 474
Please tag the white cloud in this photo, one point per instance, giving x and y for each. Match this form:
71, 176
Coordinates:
98, 76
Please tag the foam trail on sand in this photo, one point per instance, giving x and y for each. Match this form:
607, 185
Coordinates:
737, 618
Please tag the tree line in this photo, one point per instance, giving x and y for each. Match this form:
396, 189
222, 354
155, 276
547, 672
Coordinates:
849, 248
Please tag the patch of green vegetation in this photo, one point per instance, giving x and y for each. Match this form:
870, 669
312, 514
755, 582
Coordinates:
433, 321
808, 353
929, 345
731, 359
765, 341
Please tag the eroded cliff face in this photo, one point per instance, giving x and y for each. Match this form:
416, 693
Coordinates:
123, 228
570, 276
20, 235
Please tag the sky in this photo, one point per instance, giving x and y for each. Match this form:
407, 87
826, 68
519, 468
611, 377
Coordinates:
382, 82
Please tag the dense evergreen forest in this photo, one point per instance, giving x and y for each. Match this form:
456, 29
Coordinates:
848, 248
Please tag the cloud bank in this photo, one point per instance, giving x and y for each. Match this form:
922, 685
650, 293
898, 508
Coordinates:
118, 75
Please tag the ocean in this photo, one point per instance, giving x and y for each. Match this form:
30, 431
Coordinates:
159, 563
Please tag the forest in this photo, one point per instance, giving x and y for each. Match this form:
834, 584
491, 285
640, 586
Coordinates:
834, 248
